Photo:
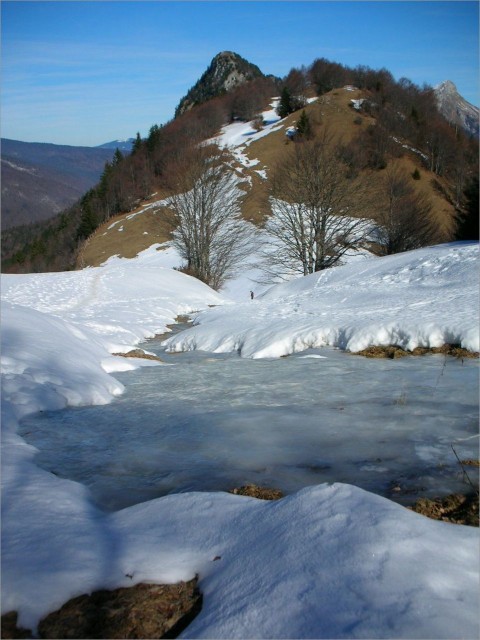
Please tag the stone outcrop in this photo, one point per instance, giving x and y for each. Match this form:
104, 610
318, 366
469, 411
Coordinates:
227, 71
456, 109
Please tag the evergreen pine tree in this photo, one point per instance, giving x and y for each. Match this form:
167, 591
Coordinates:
137, 145
117, 157
285, 106
88, 222
468, 228
304, 128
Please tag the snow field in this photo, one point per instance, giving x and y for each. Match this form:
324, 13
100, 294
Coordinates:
330, 561
427, 298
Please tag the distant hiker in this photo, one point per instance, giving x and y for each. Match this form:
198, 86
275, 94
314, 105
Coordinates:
251, 295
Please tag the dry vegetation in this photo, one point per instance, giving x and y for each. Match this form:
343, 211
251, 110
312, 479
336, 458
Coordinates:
332, 111
125, 235
394, 351
141, 611
456, 508
254, 491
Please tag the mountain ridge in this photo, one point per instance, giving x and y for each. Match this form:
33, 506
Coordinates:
379, 122
456, 109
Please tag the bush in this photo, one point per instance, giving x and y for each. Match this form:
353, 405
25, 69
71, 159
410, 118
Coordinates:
258, 123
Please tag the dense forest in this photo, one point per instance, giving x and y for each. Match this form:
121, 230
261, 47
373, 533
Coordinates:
401, 111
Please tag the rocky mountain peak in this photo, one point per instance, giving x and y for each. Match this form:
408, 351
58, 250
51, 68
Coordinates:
446, 87
226, 71
456, 109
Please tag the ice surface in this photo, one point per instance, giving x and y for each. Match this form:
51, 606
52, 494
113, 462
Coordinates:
213, 422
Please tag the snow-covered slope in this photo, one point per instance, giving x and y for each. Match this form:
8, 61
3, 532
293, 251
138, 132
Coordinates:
330, 561
427, 297
60, 329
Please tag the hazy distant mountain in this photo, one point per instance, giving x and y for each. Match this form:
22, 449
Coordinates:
122, 145
39, 180
226, 71
456, 109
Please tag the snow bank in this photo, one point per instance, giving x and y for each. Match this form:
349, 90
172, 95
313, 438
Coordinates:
329, 561
424, 298
122, 302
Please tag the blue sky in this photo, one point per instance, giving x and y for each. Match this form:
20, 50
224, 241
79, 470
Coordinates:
84, 73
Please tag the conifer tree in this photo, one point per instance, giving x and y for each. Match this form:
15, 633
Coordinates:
285, 106
137, 145
304, 128
117, 157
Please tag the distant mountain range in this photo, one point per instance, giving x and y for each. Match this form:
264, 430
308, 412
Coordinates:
122, 145
39, 180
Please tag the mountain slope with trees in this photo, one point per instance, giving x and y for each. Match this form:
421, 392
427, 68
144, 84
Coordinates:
40, 180
385, 133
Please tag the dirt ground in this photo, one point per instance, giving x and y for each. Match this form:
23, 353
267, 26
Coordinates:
394, 351
141, 611
138, 353
254, 491
457, 508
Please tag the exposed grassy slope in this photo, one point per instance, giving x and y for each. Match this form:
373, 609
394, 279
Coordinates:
333, 111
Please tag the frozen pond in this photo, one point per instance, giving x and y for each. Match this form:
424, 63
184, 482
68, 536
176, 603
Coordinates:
217, 421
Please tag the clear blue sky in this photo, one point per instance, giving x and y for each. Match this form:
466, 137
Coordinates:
84, 73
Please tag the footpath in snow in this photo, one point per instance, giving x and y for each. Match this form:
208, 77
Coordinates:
330, 561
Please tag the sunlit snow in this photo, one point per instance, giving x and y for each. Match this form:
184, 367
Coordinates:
329, 561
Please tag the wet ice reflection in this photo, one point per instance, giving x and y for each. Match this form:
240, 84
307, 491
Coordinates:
213, 422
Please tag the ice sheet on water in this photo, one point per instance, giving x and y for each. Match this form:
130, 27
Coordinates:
215, 421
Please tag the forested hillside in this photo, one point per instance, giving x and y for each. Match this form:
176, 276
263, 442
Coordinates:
379, 126
40, 180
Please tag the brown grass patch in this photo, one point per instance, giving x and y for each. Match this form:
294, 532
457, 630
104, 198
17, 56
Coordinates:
456, 508
138, 233
394, 351
141, 611
138, 353
254, 491
331, 111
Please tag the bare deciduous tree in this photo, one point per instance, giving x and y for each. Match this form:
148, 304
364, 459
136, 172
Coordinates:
404, 215
316, 210
209, 232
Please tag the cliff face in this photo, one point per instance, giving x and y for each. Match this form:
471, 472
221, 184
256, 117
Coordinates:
226, 71
456, 109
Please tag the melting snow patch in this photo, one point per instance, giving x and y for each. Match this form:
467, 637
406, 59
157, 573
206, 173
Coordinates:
357, 104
